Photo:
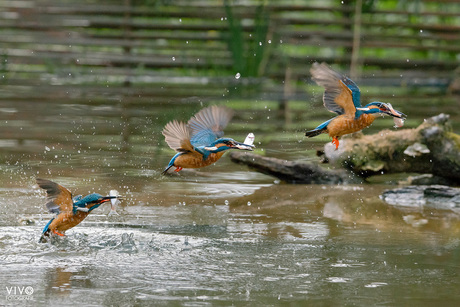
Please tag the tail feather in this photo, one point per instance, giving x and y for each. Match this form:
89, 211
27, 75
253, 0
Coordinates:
171, 163
45, 233
318, 130
167, 169
45, 236
314, 132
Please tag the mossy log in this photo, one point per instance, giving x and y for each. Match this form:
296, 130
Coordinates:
431, 148
293, 171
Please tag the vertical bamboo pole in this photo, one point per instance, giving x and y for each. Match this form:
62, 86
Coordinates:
126, 132
287, 95
127, 37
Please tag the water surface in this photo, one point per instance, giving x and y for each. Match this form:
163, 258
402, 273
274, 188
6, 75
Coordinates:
222, 235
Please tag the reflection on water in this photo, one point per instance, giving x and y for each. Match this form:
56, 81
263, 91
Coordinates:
57, 281
280, 243
222, 235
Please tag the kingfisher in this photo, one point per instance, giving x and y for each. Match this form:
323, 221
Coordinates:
200, 141
69, 211
342, 96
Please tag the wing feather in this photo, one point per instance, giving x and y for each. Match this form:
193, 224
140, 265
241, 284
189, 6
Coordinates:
177, 136
207, 125
341, 94
59, 198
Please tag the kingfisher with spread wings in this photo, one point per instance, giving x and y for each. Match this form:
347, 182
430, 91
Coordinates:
69, 211
342, 96
200, 141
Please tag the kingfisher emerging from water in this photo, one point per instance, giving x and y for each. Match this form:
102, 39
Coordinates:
69, 212
342, 96
200, 141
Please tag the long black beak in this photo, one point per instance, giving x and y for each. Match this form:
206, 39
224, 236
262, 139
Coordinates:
392, 112
397, 114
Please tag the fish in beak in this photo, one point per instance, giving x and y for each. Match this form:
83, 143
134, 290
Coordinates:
243, 146
249, 140
388, 109
114, 200
247, 144
398, 117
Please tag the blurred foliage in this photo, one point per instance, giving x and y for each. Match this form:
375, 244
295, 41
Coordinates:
248, 54
218, 40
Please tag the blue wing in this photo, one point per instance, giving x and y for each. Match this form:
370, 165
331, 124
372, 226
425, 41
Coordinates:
203, 138
207, 125
341, 94
355, 92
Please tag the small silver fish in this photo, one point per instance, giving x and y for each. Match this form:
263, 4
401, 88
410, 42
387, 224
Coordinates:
114, 202
399, 122
249, 140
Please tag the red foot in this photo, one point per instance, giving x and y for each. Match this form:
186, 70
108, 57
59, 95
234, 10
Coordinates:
58, 233
335, 141
178, 169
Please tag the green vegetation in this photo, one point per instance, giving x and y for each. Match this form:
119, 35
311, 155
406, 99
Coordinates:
248, 54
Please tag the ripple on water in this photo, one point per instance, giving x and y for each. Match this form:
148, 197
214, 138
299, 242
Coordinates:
376, 284
341, 264
338, 279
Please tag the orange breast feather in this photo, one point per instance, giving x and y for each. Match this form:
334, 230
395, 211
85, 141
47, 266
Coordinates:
67, 220
195, 160
344, 124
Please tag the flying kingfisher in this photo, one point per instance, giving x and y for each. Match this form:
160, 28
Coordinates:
342, 96
200, 141
69, 211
